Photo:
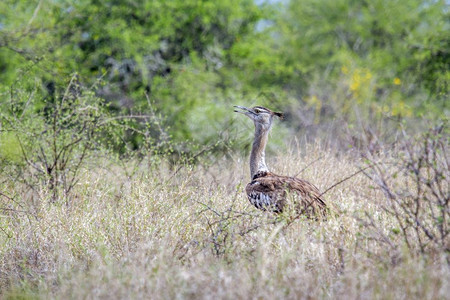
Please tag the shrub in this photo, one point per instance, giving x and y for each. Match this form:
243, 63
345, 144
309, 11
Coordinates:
416, 189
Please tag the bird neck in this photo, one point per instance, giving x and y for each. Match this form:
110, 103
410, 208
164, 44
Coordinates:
258, 155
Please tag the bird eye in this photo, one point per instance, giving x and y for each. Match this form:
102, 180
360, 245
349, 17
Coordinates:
257, 110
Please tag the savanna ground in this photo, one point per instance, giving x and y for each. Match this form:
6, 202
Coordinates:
188, 231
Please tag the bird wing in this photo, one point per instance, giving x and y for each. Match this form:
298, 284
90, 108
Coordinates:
306, 189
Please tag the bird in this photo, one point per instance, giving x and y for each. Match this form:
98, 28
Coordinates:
271, 192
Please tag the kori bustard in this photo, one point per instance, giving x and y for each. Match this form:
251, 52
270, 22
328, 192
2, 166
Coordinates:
268, 191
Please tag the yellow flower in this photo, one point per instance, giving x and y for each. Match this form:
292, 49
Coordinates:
354, 86
397, 81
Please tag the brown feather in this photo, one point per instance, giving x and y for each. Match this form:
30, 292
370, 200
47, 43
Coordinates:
280, 191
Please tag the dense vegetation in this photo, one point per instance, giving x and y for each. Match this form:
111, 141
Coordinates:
122, 165
320, 60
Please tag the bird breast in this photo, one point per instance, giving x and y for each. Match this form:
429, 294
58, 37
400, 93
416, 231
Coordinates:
261, 198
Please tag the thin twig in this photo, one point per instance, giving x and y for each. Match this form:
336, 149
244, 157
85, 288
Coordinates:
308, 165
346, 178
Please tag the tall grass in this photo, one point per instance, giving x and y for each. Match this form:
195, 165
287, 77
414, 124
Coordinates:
162, 234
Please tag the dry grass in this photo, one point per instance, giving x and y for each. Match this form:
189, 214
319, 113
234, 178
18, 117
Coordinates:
195, 235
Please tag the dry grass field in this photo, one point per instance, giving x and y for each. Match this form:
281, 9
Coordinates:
162, 234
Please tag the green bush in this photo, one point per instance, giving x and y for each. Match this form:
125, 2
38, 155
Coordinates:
324, 60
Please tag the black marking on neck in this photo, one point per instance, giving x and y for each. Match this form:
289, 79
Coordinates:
260, 174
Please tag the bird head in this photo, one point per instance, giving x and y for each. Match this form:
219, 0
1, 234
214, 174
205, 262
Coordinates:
260, 115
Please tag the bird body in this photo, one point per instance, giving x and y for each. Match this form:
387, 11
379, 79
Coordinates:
269, 191
272, 192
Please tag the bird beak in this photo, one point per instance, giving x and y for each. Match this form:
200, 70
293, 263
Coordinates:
244, 110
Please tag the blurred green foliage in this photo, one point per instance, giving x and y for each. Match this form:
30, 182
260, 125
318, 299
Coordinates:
10, 148
398, 47
318, 60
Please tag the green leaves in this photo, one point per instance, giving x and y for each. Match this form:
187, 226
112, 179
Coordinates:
188, 55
